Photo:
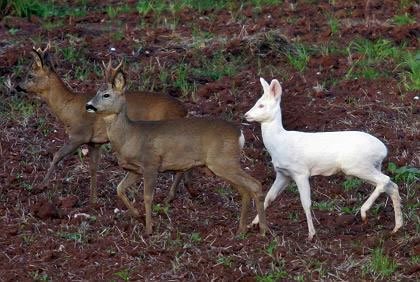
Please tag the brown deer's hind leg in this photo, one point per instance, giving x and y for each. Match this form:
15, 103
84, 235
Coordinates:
150, 176
250, 186
94, 154
172, 191
175, 184
64, 151
127, 181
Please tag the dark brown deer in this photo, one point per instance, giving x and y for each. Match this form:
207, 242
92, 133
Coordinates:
149, 147
82, 127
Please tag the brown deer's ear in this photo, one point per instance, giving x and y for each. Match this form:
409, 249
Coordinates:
119, 81
48, 60
37, 59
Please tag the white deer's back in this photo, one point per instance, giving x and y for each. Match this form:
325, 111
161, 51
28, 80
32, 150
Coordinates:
323, 153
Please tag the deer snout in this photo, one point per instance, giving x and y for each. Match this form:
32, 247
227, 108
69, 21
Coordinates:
90, 108
248, 117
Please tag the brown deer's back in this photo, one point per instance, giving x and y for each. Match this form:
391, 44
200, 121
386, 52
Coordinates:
148, 106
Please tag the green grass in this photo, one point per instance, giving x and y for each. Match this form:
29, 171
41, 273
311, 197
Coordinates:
27, 8
21, 109
403, 174
195, 237
380, 265
334, 24
276, 273
324, 206
113, 12
70, 54
298, 59
216, 67
225, 261
404, 19
352, 183
123, 274
373, 55
410, 70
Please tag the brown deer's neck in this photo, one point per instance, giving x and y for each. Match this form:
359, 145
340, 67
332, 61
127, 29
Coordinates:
58, 95
119, 128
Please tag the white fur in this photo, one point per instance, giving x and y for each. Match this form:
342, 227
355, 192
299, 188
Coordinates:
299, 155
242, 140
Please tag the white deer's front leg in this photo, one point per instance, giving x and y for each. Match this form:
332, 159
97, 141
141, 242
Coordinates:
305, 197
278, 186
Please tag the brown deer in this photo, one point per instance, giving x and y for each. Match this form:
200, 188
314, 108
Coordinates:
82, 127
149, 147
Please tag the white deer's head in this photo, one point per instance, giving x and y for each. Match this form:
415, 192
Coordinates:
267, 107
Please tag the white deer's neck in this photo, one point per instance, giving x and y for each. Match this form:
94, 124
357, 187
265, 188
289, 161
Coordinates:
275, 124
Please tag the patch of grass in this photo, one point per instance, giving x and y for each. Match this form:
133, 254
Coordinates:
118, 35
70, 54
181, 80
271, 248
195, 237
334, 24
27, 8
124, 274
380, 265
298, 59
216, 67
81, 72
276, 273
404, 19
225, 261
160, 209
352, 183
373, 53
51, 25
13, 31
410, 65
324, 206
403, 174
113, 12
415, 259
77, 237
21, 110
39, 276
293, 216
347, 210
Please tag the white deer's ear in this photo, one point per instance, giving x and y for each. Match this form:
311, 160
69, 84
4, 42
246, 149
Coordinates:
275, 88
264, 85
119, 81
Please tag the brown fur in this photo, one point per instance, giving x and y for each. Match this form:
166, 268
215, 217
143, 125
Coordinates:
149, 147
86, 128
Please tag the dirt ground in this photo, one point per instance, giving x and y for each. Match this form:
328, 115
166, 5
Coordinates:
56, 235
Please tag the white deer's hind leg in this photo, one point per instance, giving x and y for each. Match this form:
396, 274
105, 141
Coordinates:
392, 190
278, 186
375, 177
305, 197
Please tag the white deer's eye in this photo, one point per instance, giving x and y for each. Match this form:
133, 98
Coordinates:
260, 106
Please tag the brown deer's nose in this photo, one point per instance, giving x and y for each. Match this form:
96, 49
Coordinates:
90, 108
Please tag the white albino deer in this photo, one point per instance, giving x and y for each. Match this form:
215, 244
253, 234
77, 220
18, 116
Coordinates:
299, 155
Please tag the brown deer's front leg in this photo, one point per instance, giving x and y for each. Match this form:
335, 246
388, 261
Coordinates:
94, 154
64, 151
127, 181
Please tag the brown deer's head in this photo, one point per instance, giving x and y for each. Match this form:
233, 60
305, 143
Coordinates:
39, 73
110, 97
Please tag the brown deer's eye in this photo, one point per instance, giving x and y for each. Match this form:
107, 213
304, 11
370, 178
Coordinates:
106, 96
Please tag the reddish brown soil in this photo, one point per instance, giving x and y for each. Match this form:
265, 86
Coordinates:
56, 234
